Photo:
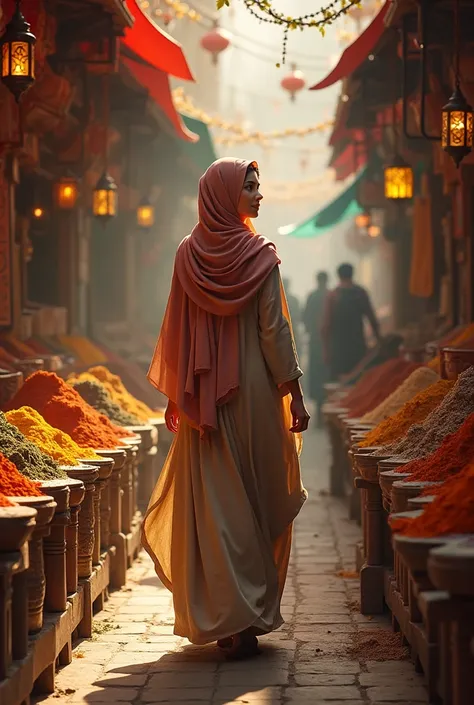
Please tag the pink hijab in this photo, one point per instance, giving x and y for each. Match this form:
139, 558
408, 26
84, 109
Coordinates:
218, 269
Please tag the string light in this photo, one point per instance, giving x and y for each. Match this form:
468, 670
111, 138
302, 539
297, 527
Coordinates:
263, 11
184, 104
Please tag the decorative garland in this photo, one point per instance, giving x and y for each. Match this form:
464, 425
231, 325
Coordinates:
179, 10
184, 104
263, 11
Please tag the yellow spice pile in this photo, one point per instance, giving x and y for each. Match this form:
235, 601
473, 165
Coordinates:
55, 443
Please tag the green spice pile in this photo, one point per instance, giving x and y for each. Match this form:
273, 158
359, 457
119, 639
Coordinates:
95, 394
27, 457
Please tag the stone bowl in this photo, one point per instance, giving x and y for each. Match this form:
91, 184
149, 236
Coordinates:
415, 550
403, 490
59, 490
454, 361
367, 462
10, 383
451, 566
104, 465
147, 433
415, 503
16, 526
118, 455
386, 480
44, 505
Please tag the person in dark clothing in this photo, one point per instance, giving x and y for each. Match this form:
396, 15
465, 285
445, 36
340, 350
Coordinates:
312, 320
295, 313
346, 309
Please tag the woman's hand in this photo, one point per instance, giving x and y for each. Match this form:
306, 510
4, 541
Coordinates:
172, 417
299, 415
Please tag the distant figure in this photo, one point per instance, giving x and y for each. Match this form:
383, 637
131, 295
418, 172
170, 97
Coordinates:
312, 320
295, 312
343, 324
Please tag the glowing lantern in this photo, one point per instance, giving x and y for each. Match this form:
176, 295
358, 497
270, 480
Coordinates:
363, 220
373, 231
18, 54
456, 131
66, 193
105, 198
215, 42
398, 180
145, 214
293, 82
38, 212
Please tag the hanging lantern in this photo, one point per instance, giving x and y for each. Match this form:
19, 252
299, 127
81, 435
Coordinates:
398, 180
293, 82
105, 198
215, 42
145, 214
18, 54
373, 231
363, 220
66, 193
38, 212
457, 123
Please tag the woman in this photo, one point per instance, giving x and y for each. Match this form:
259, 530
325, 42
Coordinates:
218, 526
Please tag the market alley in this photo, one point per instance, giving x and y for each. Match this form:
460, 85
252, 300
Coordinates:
326, 651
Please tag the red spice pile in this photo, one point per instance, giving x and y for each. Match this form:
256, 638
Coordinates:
13, 483
390, 378
451, 512
367, 381
456, 451
5, 502
377, 645
64, 408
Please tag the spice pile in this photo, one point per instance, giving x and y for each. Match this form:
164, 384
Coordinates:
413, 412
120, 393
95, 394
455, 452
377, 645
386, 384
13, 483
5, 502
451, 512
417, 382
458, 340
61, 406
27, 457
423, 439
52, 441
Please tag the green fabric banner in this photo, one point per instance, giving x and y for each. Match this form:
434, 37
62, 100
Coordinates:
341, 209
202, 152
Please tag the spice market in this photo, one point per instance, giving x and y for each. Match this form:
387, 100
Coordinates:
115, 116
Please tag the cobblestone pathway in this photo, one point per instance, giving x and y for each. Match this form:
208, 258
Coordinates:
134, 657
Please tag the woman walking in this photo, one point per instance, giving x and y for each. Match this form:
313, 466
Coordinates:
218, 526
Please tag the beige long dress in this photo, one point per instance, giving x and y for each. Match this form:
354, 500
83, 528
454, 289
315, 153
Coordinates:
218, 526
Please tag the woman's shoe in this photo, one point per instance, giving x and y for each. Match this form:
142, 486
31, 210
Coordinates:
243, 647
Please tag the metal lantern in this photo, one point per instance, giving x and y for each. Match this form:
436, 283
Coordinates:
145, 214
215, 42
363, 220
66, 193
18, 54
105, 198
293, 82
456, 132
398, 178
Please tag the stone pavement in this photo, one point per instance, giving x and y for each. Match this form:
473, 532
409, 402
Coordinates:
134, 657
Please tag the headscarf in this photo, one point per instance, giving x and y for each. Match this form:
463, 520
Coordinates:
218, 269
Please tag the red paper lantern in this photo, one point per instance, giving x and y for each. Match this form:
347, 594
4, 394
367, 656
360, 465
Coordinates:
215, 41
293, 82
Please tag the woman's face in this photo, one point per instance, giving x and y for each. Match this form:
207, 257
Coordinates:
250, 196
